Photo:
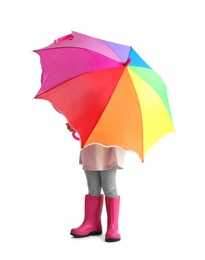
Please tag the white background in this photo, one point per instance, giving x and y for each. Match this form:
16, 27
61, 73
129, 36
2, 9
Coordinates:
42, 187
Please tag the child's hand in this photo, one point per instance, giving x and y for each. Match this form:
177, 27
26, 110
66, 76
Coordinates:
70, 128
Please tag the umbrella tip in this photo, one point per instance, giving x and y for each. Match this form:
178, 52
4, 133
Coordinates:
127, 62
66, 37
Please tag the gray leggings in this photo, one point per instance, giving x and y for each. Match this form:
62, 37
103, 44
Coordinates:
106, 180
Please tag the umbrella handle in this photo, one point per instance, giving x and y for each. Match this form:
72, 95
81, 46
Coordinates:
74, 136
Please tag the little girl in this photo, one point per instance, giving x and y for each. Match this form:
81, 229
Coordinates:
100, 165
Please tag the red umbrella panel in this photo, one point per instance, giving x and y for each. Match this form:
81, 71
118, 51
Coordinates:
106, 91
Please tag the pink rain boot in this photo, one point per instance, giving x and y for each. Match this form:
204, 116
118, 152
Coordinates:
91, 225
112, 207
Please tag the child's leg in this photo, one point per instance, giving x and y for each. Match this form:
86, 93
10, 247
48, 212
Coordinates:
108, 180
93, 182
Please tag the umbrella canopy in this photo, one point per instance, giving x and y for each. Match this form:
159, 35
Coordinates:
106, 91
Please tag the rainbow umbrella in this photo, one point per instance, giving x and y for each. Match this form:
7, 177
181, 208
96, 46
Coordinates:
106, 91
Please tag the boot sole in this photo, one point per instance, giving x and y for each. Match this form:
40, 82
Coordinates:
112, 239
94, 233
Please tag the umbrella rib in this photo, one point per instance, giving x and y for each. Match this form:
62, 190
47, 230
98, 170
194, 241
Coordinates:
86, 49
117, 58
70, 79
142, 150
105, 105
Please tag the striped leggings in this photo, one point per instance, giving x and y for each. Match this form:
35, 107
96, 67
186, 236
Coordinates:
105, 180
